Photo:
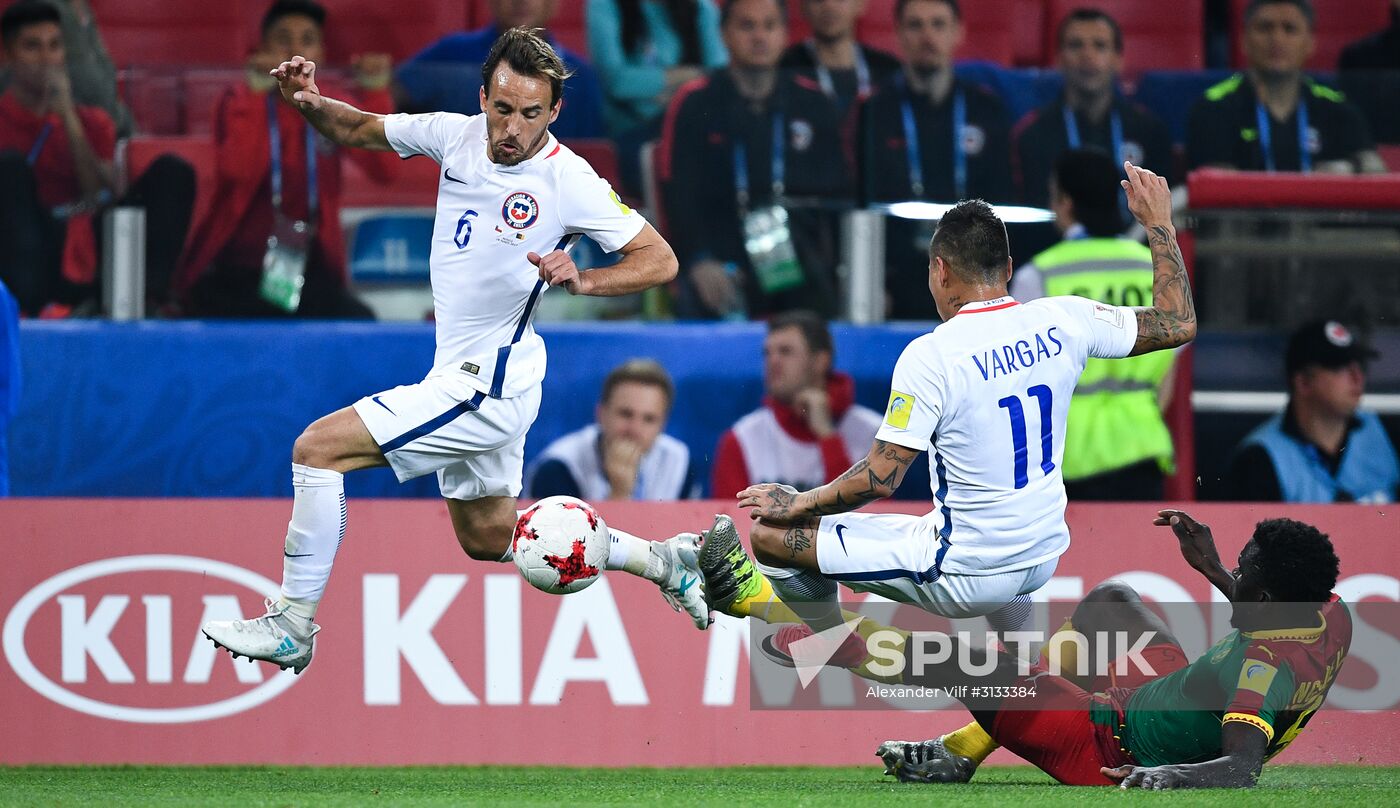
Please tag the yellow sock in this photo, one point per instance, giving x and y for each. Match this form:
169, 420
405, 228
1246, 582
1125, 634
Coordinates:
1059, 649
971, 742
764, 604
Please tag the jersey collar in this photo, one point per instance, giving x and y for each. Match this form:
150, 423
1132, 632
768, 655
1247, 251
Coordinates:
1304, 635
988, 305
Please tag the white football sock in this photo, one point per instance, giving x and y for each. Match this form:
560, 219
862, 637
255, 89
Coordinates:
314, 534
633, 554
509, 554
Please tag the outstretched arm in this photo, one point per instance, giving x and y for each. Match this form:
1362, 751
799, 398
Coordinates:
875, 477
1171, 319
647, 261
1198, 548
338, 121
1243, 747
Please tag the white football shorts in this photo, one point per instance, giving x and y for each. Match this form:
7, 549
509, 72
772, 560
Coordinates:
475, 443
897, 556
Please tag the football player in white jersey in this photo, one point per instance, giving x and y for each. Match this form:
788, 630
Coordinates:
511, 200
986, 394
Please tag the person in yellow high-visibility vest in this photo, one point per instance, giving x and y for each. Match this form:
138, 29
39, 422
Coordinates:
1117, 447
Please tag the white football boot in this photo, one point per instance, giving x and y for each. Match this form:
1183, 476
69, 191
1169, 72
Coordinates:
274, 638
680, 579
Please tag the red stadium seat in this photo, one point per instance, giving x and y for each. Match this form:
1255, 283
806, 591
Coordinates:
160, 32
414, 185
1391, 156
1027, 34
154, 97
203, 91
602, 155
1152, 39
569, 27
987, 37
798, 29
141, 151
1339, 23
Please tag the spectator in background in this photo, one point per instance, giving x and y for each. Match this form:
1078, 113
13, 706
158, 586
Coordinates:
9, 379
625, 453
1272, 117
809, 427
90, 69
737, 145
1117, 446
446, 75
1370, 74
907, 149
1323, 447
56, 173
222, 271
1090, 113
845, 69
645, 50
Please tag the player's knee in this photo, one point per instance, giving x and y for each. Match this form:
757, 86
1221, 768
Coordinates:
311, 449
1112, 592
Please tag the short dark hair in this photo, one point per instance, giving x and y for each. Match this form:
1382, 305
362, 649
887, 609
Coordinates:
291, 8
23, 13
814, 330
1089, 177
724, 12
900, 5
1304, 6
1089, 15
1296, 561
971, 239
639, 371
526, 52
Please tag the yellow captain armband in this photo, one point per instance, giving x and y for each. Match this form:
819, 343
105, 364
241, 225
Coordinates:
1252, 720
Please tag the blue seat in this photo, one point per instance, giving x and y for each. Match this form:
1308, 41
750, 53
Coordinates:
1021, 90
1172, 93
392, 248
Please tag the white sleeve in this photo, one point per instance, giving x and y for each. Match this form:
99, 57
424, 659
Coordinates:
1111, 331
916, 401
590, 206
426, 134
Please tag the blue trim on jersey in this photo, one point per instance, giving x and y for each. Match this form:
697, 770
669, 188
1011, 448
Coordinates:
945, 534
498, 378
927, 576
461, 408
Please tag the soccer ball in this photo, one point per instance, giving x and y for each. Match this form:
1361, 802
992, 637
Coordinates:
561, 545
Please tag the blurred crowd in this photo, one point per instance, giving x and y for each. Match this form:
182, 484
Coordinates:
732, 128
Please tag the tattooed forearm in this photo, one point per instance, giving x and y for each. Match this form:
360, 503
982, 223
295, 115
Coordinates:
1171, 320
797, 539
873, 477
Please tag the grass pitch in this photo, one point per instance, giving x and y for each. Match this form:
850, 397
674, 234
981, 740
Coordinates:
245, 787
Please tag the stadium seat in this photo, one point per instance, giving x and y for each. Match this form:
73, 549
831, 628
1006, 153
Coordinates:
570, 27
391, 248
159, 32
602, 155
414, 185
1391, 156
798, 29
1172, 93
154, 96
1021, 90
1027, 37
1152, 40
1339, 23
987, 38
197, 151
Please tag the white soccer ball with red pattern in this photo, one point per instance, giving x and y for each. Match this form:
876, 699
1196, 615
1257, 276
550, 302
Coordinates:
561, 545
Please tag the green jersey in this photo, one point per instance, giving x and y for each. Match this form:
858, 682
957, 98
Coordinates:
1272, 680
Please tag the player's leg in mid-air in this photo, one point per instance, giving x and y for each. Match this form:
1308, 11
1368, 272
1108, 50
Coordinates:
476, 445
896, 556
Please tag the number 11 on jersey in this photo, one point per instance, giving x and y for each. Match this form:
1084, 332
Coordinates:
1017, 414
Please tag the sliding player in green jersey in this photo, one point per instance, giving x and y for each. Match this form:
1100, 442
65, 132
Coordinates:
1212, 723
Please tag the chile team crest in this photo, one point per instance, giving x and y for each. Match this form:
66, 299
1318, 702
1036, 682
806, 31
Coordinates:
520, 210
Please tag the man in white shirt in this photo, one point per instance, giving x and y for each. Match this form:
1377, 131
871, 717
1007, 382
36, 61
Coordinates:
987, 395
511, 200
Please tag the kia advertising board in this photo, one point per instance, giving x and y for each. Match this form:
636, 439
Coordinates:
429, 657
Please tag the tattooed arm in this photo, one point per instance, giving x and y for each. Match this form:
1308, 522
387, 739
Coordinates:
876, 476
1171, 319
